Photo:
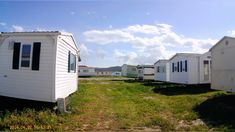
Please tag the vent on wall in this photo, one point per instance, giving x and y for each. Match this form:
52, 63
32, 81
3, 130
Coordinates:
11, 45
226, 42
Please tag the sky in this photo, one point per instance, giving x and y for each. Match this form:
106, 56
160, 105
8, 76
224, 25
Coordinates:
116, 32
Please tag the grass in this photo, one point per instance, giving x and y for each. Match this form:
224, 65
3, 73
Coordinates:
131, 105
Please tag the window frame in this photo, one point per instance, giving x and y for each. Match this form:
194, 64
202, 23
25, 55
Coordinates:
70, 54
30, 59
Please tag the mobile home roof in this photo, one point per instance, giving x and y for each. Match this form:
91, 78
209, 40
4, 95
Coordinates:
185, 54
39, 33
161, 61
225, 37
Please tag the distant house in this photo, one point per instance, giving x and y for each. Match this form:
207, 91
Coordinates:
129, 71
100, 72
85, 71
145, 72
117, 74
162, 70
110, 71
187, 68
38, 66
223, 65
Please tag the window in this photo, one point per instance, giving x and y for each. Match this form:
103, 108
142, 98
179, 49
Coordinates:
186, 66
85, 71
25, 55
158, 69
226, 42
173, 67
71, 62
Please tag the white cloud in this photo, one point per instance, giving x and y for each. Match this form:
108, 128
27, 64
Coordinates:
146, 29
147, 13
90, 13
41, 29
72, 13
104, 17
3, 24
84, 50
49, 29
107, 36
231, 33
125, 56
150, 42
17, 28
101, 53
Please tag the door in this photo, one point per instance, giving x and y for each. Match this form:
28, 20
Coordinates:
206, 70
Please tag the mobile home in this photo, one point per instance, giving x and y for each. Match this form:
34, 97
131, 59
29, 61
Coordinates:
223, 65
38, 66
162, 71
116, 74
188, 68
145, 72
102, 72
86, 71
129, 71
109, 71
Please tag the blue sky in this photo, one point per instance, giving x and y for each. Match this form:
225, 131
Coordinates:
114, 32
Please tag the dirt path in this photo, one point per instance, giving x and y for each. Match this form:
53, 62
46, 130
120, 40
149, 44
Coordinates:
95, 113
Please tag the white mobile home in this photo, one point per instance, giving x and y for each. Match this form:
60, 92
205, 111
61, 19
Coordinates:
38, 66
85, 71
145, 72
223, 65
109, 71
101, 72
129, 71
162, 71
116, 74
187, 68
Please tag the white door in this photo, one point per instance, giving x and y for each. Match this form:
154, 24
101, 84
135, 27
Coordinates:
206, 70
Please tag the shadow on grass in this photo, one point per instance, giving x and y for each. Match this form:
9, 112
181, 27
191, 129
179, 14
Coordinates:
13, 104
170, 89
127, 80
218, 111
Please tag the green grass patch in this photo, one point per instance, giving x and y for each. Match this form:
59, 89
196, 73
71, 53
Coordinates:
109, 104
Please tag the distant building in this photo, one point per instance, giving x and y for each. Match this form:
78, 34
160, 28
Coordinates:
162, 71
85, 71
145, 72
223, 65
117, 74
110, 71
129, 71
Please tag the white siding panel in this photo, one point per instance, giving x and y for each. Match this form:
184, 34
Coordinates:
27, 84
66, 83
162, 75
223, 65
179, 77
